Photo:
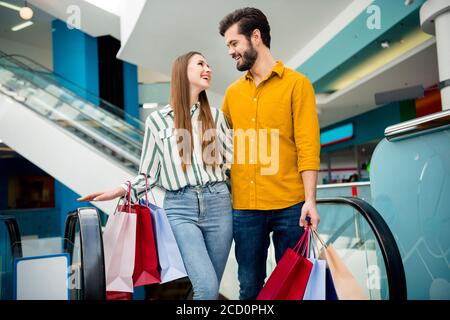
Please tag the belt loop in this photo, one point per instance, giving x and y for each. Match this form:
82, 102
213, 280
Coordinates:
211, 188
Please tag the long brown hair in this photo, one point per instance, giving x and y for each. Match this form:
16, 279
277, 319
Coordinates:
180, 101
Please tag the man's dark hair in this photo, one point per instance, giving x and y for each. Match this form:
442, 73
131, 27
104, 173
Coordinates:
248, 20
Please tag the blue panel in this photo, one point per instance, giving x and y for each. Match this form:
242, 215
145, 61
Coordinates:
337, 134
355, 37
410, 183
75, 57
130, 87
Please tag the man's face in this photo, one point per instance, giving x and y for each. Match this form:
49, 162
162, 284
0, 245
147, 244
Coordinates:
240, 49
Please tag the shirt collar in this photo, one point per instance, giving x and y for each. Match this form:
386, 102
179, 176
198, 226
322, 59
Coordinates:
278, 69
168, 109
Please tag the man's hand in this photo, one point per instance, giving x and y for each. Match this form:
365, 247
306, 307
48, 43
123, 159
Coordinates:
309, 209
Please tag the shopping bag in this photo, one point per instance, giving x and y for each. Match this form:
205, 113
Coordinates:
345, 284
316, 287
169, 256
289, 278
330, 293
146, 258
119, 245
117, 295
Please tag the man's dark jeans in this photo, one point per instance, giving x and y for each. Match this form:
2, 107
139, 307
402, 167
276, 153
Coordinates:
251, 229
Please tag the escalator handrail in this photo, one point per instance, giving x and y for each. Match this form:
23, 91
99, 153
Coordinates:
112, 106
91, 246
422, 125
97, 137
116, 133
386, 241
14, 235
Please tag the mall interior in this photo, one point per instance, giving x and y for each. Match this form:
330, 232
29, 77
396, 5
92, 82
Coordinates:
78, 79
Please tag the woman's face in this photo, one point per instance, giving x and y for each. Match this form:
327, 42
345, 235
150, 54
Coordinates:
199, 73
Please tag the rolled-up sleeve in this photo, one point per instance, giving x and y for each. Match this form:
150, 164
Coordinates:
306, 126
226, 139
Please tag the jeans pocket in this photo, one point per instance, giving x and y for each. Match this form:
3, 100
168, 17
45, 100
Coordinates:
221, 190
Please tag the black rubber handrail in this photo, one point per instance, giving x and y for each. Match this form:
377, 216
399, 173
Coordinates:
386, 241
91, 246
14, 235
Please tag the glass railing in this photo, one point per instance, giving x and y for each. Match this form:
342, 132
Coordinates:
27, 257
68, 88
88, 123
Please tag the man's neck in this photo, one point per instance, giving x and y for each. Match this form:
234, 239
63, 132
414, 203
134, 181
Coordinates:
263, 66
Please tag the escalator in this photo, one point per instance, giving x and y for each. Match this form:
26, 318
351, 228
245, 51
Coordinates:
363, 241
82, 244
60, 122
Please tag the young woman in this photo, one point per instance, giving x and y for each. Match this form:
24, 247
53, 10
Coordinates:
186, 149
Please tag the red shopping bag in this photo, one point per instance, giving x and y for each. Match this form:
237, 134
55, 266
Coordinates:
118, 295
146, 257
145, 269
289, 278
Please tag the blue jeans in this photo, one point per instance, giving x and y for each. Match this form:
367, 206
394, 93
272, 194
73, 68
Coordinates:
251, 229
202, 223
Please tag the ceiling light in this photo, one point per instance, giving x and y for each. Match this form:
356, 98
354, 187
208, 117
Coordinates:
150, 105
26, 13
22, 25
385, 44
9, 6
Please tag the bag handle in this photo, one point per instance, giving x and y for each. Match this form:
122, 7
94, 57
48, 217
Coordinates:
320, 239
306, 246
129, 196
314, 247
301, 243
147, 189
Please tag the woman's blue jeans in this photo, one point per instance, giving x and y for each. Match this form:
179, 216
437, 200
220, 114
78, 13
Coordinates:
202, 223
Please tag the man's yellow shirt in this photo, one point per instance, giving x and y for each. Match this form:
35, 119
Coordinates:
276, 136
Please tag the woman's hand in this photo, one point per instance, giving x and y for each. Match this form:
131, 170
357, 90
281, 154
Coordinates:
104, 196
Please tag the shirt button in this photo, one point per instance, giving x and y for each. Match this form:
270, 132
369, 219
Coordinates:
253, 119
254, 99
251, 182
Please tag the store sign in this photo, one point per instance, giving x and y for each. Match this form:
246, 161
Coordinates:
336, 135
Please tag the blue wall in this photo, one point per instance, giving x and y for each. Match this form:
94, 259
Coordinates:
75, 57
130, 87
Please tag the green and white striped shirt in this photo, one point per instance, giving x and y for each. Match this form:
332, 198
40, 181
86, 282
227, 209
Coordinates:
160, 159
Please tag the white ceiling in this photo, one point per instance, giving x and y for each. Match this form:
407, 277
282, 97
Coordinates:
167, 29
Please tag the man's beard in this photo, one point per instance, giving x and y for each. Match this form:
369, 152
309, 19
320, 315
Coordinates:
248, 59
